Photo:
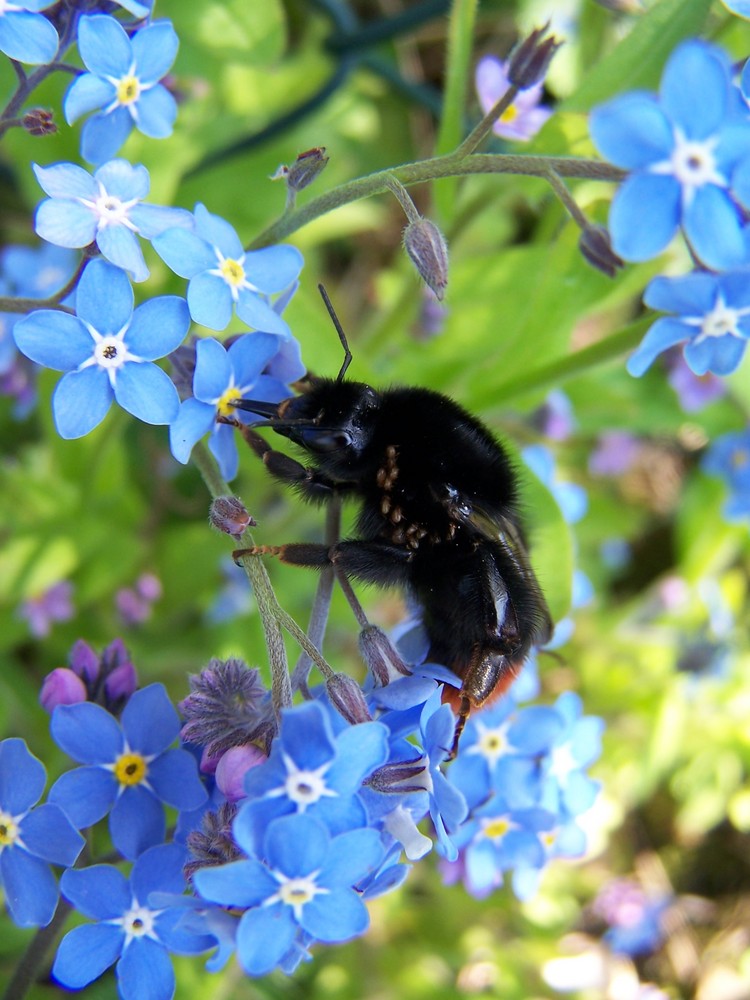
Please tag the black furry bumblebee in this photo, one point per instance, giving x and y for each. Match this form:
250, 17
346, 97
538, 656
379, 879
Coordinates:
438, 517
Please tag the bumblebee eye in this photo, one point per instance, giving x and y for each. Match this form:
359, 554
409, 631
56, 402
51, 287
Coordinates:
325, 440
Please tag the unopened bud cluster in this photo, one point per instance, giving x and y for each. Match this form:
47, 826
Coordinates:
529, 61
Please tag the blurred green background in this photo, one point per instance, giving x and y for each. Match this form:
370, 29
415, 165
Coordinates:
661, 649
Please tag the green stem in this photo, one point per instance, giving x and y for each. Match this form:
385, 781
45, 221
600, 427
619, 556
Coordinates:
13, 305
272, 615
27, 969
567, 199
476, 137
458, 57
452, 165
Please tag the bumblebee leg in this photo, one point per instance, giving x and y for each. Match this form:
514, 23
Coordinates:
287, 470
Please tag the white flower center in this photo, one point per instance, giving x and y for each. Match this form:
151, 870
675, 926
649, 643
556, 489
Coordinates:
491, 744
303, 788
563, 763
110, 352
138, 922
295, 892
110, 210
722, 320
692, 164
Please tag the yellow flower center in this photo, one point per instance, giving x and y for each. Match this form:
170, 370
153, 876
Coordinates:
495, 829
509, 115
740, 458
232, 272
224, 406
128, 90
130, 769
8, 830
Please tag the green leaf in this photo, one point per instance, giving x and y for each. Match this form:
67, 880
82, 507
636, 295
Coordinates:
253, 33
638, 59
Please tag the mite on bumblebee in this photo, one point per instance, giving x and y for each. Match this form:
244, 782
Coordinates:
438, 517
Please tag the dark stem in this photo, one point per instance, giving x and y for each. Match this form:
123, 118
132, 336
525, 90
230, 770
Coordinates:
27, 969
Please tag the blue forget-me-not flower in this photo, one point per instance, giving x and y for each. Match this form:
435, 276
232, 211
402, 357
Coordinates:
25, 34
30, 838
122, 84
683, 149
107, 351
104, 208
300, 885
220, 377
128, 768
729, 458
127, 929
711, 318
223, 276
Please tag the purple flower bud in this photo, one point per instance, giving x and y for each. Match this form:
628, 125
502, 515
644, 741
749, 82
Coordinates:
229, 514
61, 687
121, 682
39, 121
428, 250
378, 652
347, 698
232, 768
83, 661
149, 586
131, 607
596, 246
529, 61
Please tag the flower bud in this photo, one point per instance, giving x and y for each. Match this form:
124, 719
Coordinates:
232, 768
304, 170
380, 656
83, 661
120, 683
61, 687
529, 61
347, 698
229, 514
39, 121
428, 250
596, 246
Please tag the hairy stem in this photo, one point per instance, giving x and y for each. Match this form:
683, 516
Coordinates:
452, 165
272, 615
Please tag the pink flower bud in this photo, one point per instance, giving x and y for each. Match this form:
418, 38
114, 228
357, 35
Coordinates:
231, 769
428, 250
62, 687
230, 515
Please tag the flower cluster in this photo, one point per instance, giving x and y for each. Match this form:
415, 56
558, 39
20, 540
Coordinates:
288, 830
687, 153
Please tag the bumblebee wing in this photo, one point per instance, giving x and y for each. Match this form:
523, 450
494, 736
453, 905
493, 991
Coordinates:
511, 558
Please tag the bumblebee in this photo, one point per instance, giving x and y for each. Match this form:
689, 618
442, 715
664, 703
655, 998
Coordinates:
438, 517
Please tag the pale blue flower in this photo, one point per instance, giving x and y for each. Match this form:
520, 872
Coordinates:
223, 276
105, 209
122, 84
107, 351
25, 34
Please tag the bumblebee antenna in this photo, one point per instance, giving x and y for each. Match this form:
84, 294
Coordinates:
340, 330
